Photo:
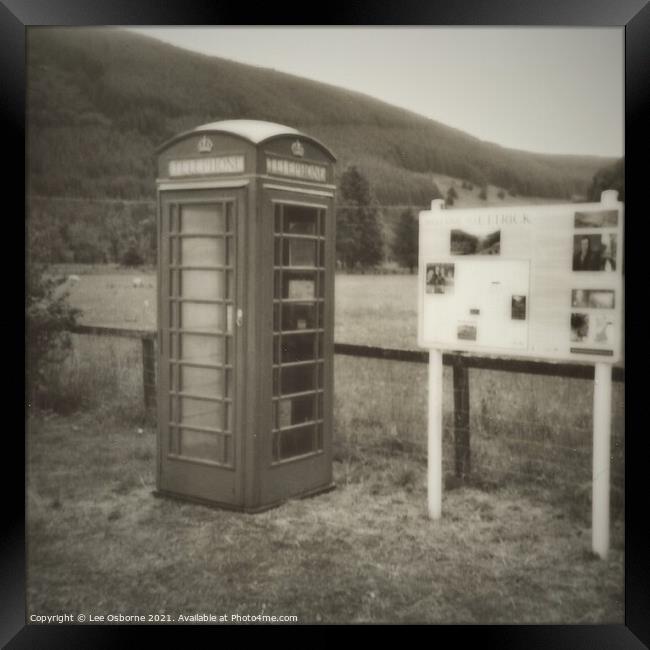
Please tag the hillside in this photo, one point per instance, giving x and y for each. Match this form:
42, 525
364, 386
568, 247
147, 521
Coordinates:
100, 100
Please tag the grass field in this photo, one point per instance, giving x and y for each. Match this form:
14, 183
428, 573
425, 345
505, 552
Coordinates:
107, 297
510, 548
513, 545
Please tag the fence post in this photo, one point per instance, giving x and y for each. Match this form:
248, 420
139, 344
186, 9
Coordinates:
434, 436
149, 374
462, 451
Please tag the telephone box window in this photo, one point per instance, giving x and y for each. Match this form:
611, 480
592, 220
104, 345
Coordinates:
201, 287
298, 321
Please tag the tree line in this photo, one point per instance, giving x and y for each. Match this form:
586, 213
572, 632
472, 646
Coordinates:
125, 233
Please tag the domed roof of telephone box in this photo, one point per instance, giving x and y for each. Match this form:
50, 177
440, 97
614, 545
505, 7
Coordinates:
255, 131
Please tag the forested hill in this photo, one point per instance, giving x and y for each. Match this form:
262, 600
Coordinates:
101, 99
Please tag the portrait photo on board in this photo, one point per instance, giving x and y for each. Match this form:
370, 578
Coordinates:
468, 243
579, 327
594, 252
440, 278
596, 219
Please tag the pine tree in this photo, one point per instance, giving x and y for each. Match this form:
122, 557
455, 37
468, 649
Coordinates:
359, 240
405, 244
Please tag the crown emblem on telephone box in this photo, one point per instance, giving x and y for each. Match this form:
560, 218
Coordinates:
205, 144
297, 149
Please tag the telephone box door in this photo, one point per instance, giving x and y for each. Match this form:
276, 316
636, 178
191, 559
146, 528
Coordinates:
296, 455
200, 293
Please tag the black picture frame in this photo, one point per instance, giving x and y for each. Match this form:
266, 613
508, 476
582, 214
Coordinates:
633, 15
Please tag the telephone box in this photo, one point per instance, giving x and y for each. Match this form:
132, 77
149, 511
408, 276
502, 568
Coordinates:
246, 235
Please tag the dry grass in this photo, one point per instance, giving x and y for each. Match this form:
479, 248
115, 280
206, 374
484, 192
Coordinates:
513, 545
506, 551
99, 542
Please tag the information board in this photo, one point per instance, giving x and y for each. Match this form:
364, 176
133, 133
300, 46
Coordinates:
540, 281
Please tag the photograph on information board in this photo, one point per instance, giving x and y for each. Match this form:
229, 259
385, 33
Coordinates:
440, 278
596, 219
579, 327
594, 252
467, 243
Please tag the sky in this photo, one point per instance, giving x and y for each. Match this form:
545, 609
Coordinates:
549, 90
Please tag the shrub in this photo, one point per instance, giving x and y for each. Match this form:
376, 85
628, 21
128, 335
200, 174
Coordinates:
132, 257
49, 320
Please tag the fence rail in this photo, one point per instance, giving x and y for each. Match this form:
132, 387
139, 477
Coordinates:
460, 362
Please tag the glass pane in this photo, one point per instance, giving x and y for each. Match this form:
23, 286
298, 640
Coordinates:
276, 349
203, 251
276, 318
297, 347
298, 316
202, 219
278, 218
201, 413
299, 252
200, 444
294, 411
202, 381
297, 442
230, 209
277, 285
205, 349
201, 316
228, 386
277, 258
299, 287
299, 220
227, 425
173, 251
174, 410
203, 285
231, 285
276, 447
297, 379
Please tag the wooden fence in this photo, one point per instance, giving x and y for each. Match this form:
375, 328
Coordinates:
459, 361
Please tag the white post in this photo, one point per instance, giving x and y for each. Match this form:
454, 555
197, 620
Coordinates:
601, 459
434, 441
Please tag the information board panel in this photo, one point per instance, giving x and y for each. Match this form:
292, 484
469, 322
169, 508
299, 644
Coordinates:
532, 281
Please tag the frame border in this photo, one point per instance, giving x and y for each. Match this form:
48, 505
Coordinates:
633, 15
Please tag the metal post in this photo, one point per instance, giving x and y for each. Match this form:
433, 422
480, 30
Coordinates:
434, 446
601, 459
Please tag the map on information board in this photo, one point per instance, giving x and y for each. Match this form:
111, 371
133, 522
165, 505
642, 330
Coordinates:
533, 281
